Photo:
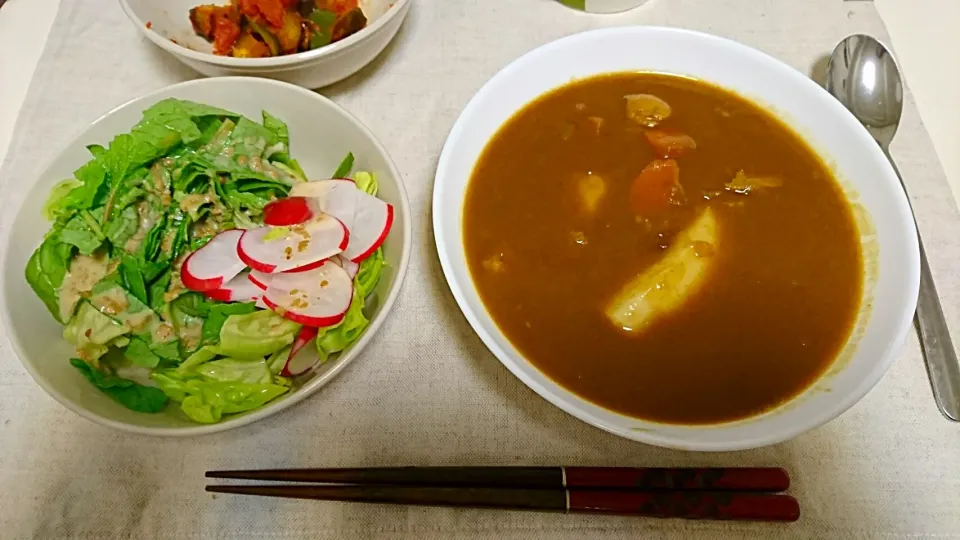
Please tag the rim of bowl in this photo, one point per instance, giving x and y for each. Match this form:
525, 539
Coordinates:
559, 395
304, 391
287, 60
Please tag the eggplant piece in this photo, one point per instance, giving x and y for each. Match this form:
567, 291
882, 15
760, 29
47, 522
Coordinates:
348, 24
201, 18
306, 35
306, 7
266, 36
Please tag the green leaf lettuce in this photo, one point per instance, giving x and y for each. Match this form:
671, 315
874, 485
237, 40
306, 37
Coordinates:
256, 335
128, 393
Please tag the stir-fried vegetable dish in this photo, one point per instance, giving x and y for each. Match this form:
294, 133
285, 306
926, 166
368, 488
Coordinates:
264, 28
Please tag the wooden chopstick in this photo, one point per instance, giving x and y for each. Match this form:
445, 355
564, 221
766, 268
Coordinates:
757, 479
659, 504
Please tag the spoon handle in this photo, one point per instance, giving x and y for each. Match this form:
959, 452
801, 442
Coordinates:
943, 368
942, 365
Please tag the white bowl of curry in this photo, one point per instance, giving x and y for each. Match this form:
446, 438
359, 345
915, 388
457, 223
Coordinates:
676, 238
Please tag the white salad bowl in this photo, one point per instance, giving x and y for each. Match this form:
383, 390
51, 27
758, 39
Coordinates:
321, 134
166, 23
886, 224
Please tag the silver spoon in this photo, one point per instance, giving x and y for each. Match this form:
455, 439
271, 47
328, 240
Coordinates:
863, 75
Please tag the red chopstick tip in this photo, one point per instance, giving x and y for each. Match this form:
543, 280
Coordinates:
793, 511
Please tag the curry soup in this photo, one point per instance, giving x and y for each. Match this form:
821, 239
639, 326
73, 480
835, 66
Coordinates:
663, 248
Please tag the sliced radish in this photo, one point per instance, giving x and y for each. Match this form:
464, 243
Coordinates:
260, 304
260, 279
316, 188
319, 297
303, 354
214, 264
366, 217
307, 267
371, 224
351, 267
335, 197
303, 246
290, 211
238, 289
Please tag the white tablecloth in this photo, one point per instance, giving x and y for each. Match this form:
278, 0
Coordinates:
426, 392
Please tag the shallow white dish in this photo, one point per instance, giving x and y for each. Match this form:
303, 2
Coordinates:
162, 21
891, 287
321, 133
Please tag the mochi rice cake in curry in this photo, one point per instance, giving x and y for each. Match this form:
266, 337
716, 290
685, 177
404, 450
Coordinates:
663, 248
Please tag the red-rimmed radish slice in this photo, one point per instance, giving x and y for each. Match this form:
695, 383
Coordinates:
351, 267
366, 217
307, 267
260, 304
290, 211
238, 289
371, 225
214, 264
300, 247
303, 354
317, 298
335, 197
260, 279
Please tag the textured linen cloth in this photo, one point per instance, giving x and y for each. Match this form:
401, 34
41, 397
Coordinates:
426, 391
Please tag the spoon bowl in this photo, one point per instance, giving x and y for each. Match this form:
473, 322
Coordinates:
864, 77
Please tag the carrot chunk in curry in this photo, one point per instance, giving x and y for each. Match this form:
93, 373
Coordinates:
668, 143
656, 189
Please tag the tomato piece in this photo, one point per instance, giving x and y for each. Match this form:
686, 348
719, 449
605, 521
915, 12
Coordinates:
670, 144
249, 8
225, 34
339, 7
656, 188
270, 10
